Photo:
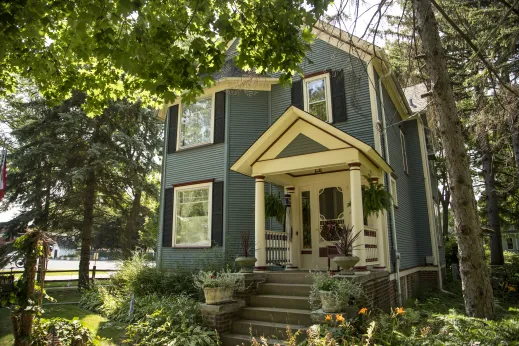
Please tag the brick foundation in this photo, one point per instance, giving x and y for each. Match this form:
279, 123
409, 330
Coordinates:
220, 317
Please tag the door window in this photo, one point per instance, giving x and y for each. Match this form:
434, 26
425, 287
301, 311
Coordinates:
331, 212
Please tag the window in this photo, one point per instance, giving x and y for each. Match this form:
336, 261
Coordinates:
404, 151
509, 243
394, 192
192, 216
317, 98
196, 123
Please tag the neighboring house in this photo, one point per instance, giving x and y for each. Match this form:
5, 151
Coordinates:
63, 246
316, 141
510, 240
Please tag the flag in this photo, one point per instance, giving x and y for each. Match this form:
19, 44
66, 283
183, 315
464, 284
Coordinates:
3, 174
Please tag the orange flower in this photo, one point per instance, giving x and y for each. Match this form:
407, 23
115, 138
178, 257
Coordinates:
328, 318
363, 311
511, 288
339, 318
399, 311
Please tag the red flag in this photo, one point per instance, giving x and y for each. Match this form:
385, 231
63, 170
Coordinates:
3, 174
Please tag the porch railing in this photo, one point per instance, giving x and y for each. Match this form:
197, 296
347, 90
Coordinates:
277, 247
370, 243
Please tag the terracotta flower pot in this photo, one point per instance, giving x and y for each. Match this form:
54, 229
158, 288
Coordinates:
246, 264
346, 262
329, 302
217, 295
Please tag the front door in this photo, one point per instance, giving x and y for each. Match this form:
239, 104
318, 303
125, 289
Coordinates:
322, 205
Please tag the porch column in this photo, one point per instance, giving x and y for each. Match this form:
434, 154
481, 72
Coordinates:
294, 236
357, 216
259, 224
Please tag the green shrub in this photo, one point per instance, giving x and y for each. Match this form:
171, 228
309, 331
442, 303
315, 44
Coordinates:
347, 292
64, 331
116, 305
160, 328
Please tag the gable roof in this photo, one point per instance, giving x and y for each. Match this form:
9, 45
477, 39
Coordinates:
280, 135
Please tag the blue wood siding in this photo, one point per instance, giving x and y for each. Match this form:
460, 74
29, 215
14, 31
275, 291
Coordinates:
325, 56
301, 145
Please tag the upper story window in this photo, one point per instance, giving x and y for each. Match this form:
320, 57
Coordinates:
404, 151
317, 96
192, 215
196, 123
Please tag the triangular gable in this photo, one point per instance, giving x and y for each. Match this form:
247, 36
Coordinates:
289, 128
301, 145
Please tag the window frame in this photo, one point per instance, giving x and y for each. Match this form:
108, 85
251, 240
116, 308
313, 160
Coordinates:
179, 123
405, 161
196, 186
394, 195
328, 95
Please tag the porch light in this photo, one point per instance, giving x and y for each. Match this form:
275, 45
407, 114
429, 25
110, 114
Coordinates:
286, 200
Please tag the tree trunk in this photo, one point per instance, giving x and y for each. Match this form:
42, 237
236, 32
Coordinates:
477, 291
23, 319
86, 234
130, 234
496, 245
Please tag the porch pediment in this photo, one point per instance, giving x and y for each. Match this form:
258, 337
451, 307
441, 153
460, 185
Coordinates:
299, 142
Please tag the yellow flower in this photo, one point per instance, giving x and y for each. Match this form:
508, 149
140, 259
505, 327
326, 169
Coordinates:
328, 318
339, 318
399, 311
363, 311
511, 288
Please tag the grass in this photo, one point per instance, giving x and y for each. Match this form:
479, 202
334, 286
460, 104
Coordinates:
100, 326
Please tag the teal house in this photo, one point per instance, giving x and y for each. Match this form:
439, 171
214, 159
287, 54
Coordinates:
317, 142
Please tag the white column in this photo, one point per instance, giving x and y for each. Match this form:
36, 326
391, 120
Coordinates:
259, 224
294, 239
357, 216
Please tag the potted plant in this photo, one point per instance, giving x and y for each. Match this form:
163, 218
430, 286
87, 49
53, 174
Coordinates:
274, 207
335, 294
246, 261
345, 239
218, 287
375, 197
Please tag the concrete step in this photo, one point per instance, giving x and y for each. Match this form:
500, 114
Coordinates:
289, 278
300, 290
286, 316
245, 340
267, 329
278, 301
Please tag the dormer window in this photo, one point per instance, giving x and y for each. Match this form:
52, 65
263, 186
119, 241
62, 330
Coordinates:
195, 123
317, 96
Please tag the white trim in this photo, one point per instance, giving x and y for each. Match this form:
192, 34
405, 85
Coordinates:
209, 186
374, 107
180, 110
403, 146
394, 193
405, 272
327, 94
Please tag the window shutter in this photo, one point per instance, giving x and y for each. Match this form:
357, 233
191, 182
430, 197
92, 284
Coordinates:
172, 129
338, 96
219, 117
167, 222
217, 217
297, 94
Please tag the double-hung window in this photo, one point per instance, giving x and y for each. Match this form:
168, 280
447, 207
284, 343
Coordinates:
196, 123
317, 96
404, 151
192, 216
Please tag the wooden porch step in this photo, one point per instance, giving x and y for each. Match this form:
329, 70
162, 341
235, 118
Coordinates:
299, 290
277, 315
280, 301
289, 278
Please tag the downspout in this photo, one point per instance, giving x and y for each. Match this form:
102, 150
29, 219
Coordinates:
388, 187
226, 169
161, 202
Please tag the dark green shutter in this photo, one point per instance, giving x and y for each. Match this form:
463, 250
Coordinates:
338, 96
219, 117
297, 94
167, 222
172, 129
217, 216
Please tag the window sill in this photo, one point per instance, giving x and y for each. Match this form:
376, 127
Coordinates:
192, 247
194, 147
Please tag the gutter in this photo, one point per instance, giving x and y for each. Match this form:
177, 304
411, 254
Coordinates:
396, 254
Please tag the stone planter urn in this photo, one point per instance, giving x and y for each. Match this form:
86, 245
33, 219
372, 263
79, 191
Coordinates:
218, 295
346, 262
246, 264
330, 301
